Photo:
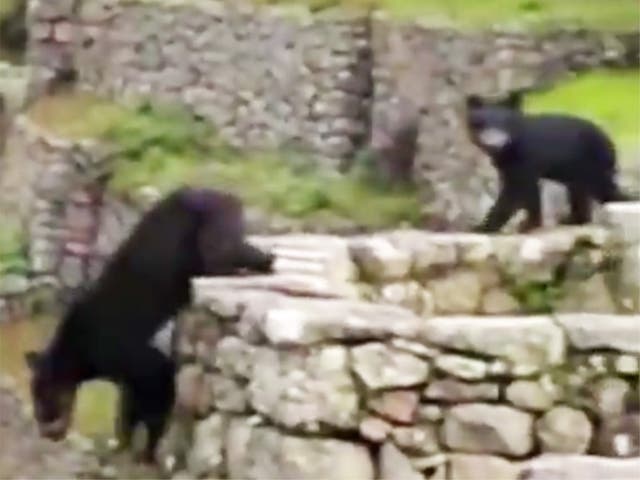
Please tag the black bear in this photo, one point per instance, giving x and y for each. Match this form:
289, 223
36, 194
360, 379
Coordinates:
106, 333
525, 148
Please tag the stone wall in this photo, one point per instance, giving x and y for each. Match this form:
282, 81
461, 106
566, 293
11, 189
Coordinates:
57, 188
284, 377
406, 355
326, 82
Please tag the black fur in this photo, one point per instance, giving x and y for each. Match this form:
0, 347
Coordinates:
106, 333
567, 149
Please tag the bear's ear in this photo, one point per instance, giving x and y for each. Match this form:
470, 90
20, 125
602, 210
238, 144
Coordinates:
513, 101
473, 101
32, 359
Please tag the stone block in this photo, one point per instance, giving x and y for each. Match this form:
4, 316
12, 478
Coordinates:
379, 259
564, 430
395, 465
481, 467
455, 391
532, 342
382, 367
588, 331
491, 429
304, 390
400, 406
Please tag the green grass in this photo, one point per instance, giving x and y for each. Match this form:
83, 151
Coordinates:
534, 14
609, 98
166, 148
12, 248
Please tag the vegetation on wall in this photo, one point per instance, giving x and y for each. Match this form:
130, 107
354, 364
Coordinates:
13, 258
166, 147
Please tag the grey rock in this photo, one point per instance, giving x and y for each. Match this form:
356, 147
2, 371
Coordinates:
564, 430
579, 467
455, 391
461, 367
301, 391
382, 367
457, 292
262, 452
484, 428
609, 395
417, 439
481, 467
532, 342
395, 465
379, 259
531, 395
206, 455
588, 331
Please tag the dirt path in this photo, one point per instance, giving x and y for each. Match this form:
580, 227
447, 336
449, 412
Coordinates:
24, 454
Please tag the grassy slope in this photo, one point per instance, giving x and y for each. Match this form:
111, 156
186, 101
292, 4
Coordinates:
610, 99
167, 148
537, 14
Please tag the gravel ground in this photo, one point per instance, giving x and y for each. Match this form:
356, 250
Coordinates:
25, 455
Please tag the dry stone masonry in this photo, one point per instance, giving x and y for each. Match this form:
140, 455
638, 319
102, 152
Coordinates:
327, 82
313, 373
285, 387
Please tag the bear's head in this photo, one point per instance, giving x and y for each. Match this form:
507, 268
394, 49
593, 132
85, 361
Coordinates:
53, 395
492, 124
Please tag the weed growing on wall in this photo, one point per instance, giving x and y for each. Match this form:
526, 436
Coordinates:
166, 147
13, 254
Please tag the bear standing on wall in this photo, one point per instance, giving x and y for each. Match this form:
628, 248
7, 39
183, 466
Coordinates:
107, 332
526, 148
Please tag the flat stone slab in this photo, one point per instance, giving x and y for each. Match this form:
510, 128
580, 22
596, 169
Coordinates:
526, 342
286, 320
587, 331
296, 284
579, 467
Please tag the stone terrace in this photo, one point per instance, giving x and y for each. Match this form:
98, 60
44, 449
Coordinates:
406, 355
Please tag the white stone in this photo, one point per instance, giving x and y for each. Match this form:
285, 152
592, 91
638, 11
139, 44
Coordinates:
461, 367
533, 342
395, 465
530, 395
379, 259
206, 455
301, 390
580, 467
380, 366
588, 331
564, 430
481, 467
485, 428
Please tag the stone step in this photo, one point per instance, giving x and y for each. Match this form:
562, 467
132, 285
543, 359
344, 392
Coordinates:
527, 343
562, 269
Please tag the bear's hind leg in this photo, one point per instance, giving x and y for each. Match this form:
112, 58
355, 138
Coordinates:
532, 205
580, 206
127, 418
154, 394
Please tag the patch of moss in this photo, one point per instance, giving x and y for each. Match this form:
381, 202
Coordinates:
542, 296
13, 257
166, 147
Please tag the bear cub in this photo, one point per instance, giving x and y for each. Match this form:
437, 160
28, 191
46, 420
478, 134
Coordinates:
525, 148
107, 332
